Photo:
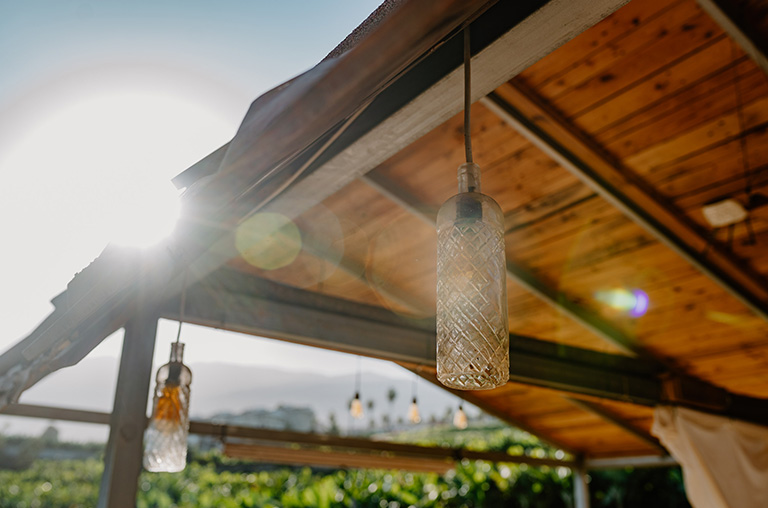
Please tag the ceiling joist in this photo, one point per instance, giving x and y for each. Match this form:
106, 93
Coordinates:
527, 113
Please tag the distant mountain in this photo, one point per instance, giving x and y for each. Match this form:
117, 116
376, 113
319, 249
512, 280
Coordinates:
221, 387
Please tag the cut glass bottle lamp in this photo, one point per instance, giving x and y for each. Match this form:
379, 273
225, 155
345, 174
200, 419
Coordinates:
472, 322
165, 441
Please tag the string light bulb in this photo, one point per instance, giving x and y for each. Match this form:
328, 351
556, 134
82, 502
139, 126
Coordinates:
460, 418
356, 407
472, 322
413, 412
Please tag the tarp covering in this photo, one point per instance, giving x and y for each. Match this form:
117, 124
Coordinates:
725, 462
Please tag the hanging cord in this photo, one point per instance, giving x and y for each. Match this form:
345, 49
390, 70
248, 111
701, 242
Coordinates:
467, 96
740, 117
359, 373
182, 304
414, 386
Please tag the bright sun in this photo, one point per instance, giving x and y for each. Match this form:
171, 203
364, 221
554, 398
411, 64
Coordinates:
99, 168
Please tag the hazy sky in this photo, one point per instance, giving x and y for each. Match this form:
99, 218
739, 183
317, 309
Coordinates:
101, 103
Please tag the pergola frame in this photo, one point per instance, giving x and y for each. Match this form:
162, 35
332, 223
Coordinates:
287, 164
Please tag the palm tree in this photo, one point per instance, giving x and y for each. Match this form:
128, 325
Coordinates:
391, 396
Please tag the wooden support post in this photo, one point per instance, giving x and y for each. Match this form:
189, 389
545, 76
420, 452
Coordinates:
122, 461
580, 488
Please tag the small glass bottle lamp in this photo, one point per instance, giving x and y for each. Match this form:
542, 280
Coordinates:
460, 418
165, 441
413, 412
472, 330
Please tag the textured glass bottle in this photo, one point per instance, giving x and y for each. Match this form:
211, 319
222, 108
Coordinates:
165, 442
472, 329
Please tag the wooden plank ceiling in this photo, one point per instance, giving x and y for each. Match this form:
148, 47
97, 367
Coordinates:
657, 86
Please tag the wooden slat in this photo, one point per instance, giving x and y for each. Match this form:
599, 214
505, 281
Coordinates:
632, 195
745, 22
580, 51
682, 39
624, 106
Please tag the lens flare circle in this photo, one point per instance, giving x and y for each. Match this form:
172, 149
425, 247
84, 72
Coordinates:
268, 241
635, 303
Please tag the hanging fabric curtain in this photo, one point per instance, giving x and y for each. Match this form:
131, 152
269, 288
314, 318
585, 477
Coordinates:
724, 461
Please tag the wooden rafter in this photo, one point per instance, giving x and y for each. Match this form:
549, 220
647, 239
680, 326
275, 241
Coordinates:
746, 22
615, 419
521, 108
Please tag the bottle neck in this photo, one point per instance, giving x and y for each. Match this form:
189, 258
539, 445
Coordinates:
469, 177
177, 352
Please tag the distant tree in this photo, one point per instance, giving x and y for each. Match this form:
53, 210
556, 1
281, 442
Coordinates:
448, 415
370, 405
400, 420
385, 421
391, 396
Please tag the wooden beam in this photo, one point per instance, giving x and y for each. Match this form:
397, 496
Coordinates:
57, 413
522, 109
746, 23
622, 462
123, 456
234, 301
516, 272
292, 438
506, 39
614, 419
334, 458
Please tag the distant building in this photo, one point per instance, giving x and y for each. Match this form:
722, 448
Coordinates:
299, 419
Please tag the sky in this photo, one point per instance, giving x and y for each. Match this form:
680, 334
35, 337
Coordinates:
101, 103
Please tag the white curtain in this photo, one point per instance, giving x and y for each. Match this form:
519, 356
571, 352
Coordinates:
724, 461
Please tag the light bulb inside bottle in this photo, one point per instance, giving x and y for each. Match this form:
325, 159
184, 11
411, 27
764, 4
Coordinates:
165, 440
413, 412
356, 407
460, 419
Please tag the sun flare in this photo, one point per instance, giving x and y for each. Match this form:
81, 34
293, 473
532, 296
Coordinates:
100, 167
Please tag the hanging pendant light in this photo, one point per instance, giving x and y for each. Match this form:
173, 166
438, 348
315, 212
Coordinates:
356, 406
165, 441
460, 418
413, 410
472, 329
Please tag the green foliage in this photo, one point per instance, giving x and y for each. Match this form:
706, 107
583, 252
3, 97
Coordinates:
212, 480
660, 488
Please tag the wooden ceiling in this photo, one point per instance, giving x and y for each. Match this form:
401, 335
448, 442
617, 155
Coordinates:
658, 94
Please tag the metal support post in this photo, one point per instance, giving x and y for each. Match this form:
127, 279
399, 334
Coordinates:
580, 488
